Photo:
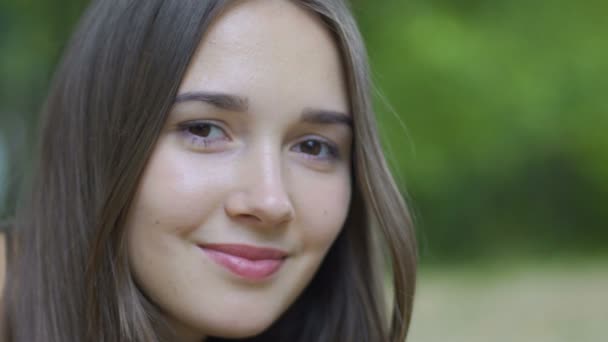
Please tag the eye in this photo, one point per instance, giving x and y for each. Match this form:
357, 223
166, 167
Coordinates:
205, 130
203, 133
317, 149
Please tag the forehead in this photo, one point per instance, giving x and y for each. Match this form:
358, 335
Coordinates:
270, 51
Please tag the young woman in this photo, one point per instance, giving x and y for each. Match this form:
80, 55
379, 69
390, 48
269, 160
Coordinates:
211, 170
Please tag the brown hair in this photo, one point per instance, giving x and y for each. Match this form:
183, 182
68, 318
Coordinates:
69, 277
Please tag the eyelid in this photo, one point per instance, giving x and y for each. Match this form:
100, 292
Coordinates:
189, 123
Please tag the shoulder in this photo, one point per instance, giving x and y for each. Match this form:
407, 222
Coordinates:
2, 278
2, 261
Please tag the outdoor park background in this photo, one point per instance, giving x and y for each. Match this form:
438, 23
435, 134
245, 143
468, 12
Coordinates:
495, 117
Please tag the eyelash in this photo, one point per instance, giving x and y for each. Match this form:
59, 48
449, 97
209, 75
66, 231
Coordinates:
331, 150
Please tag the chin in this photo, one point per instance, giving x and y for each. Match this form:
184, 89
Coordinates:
240, 327
241, 330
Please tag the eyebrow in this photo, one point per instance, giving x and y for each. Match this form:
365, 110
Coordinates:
323, 116
241, 104
219, 100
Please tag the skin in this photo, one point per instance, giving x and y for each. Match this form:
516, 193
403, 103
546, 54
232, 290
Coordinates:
261, 176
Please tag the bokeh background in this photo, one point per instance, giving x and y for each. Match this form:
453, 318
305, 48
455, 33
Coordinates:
494, 116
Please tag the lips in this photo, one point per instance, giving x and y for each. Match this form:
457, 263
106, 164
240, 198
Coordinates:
249, 262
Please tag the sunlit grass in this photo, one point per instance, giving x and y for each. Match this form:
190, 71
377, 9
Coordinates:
547, 302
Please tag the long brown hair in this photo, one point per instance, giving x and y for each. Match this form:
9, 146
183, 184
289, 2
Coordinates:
68, 273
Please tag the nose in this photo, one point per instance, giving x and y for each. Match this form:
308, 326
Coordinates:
261, 197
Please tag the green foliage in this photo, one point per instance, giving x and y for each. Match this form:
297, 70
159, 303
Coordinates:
505, 147
32, 36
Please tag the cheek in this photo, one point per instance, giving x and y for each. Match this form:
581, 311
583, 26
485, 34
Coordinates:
322, 206
178, 190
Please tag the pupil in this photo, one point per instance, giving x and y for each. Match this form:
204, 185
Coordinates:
311, 147
201, 130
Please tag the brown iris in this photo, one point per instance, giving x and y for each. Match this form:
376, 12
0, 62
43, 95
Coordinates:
311, 147
202, 130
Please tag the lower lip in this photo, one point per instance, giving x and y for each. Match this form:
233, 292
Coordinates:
246, 268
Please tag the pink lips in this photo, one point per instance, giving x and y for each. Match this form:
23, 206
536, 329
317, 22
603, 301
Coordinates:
249, 262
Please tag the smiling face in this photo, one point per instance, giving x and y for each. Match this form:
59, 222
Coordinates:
249, 182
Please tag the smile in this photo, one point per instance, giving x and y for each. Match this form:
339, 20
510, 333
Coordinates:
249, 262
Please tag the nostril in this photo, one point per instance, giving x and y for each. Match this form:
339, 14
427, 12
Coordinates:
250, 217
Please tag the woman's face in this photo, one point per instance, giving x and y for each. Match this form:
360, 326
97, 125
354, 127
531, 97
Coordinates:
249, 182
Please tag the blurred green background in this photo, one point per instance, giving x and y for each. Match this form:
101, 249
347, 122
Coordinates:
494, 116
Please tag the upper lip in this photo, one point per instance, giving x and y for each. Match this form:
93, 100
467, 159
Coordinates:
247, 251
